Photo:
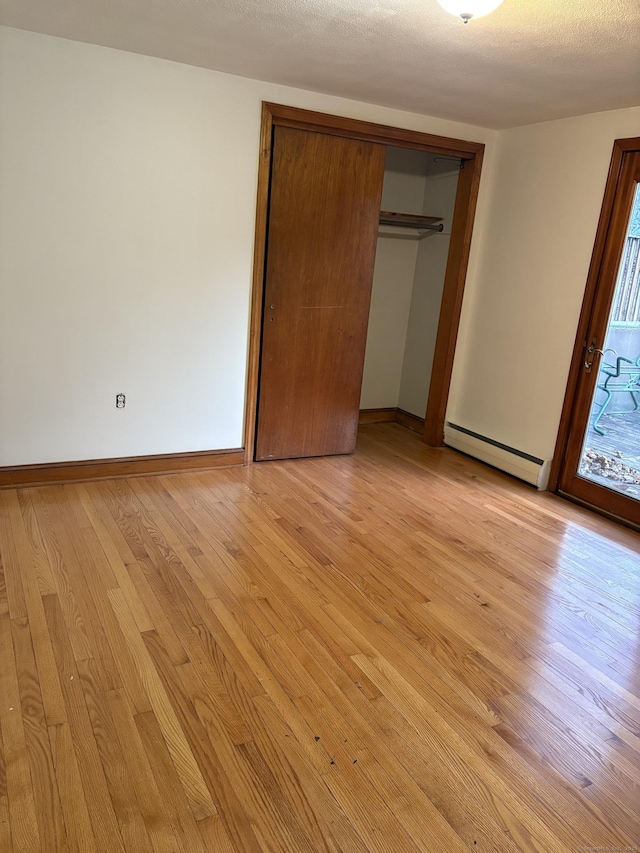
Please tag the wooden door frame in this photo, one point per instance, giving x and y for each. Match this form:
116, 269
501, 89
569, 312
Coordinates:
621, 147
457, 261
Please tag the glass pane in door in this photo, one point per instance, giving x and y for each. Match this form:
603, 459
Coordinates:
611, 449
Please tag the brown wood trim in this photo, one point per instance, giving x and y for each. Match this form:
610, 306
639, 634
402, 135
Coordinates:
257, 289
410, 421
128, 466
628, 145
619, 519
451, 306
620, 147
398, 416
370, 132
377, 416
461, 231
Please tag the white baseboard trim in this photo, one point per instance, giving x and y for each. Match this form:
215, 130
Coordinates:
512, 461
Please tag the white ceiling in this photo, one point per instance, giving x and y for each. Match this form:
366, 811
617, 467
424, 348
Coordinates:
529, 61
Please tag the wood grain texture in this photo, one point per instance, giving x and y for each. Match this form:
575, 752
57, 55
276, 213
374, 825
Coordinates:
287, 116
276, 115
451, 304
257, 282
399, 650
131, 466
410, 421
399, 416
321, 246
377, 416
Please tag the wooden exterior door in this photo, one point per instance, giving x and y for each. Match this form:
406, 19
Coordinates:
589, 436
321, 242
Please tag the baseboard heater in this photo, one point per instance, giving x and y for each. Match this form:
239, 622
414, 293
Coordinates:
522, 465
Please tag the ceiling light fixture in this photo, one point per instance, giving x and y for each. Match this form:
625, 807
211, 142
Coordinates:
467, 9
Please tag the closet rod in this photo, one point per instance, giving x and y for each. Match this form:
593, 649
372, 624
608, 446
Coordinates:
411, 220
429, 227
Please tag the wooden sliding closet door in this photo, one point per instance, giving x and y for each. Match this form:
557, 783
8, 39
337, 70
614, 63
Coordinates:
321, 243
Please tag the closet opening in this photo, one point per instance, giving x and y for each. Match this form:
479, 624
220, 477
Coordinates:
418, 199
334, 193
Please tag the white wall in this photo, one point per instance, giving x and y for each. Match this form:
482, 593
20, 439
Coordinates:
127, 210
388, 317
127, 221
404, 180
394, 271
424, 313
407, 286
523, 302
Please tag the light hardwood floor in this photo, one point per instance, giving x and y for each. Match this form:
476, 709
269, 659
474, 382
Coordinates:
400, 650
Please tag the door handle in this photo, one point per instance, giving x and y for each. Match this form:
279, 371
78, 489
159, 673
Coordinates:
592, 350
591, 354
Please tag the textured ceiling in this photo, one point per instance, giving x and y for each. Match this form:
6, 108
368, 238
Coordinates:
529, 61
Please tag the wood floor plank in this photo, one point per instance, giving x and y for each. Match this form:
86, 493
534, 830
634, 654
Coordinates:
379, 763
567, 738
377, 826
128, 673
47, 803
404, 699
46, 584
37, 580
73, 799
468, 805
398, 650
228, 804
179, 538
5, 823
479, 739
21, 796
155, 815
279, 825
118, 566
44, 500
15, 554
145, 580
172, 794
76, 559
98, 800
161, 559
120, 780
215, 836
185, 764
316, 803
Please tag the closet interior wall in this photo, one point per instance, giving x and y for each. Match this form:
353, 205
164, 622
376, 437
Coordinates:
408, 282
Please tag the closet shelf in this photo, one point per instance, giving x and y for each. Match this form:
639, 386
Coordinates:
419, 225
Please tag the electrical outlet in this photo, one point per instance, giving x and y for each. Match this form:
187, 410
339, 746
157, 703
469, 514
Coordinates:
120, 401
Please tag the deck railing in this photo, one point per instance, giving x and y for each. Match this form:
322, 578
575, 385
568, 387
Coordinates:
626, 307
